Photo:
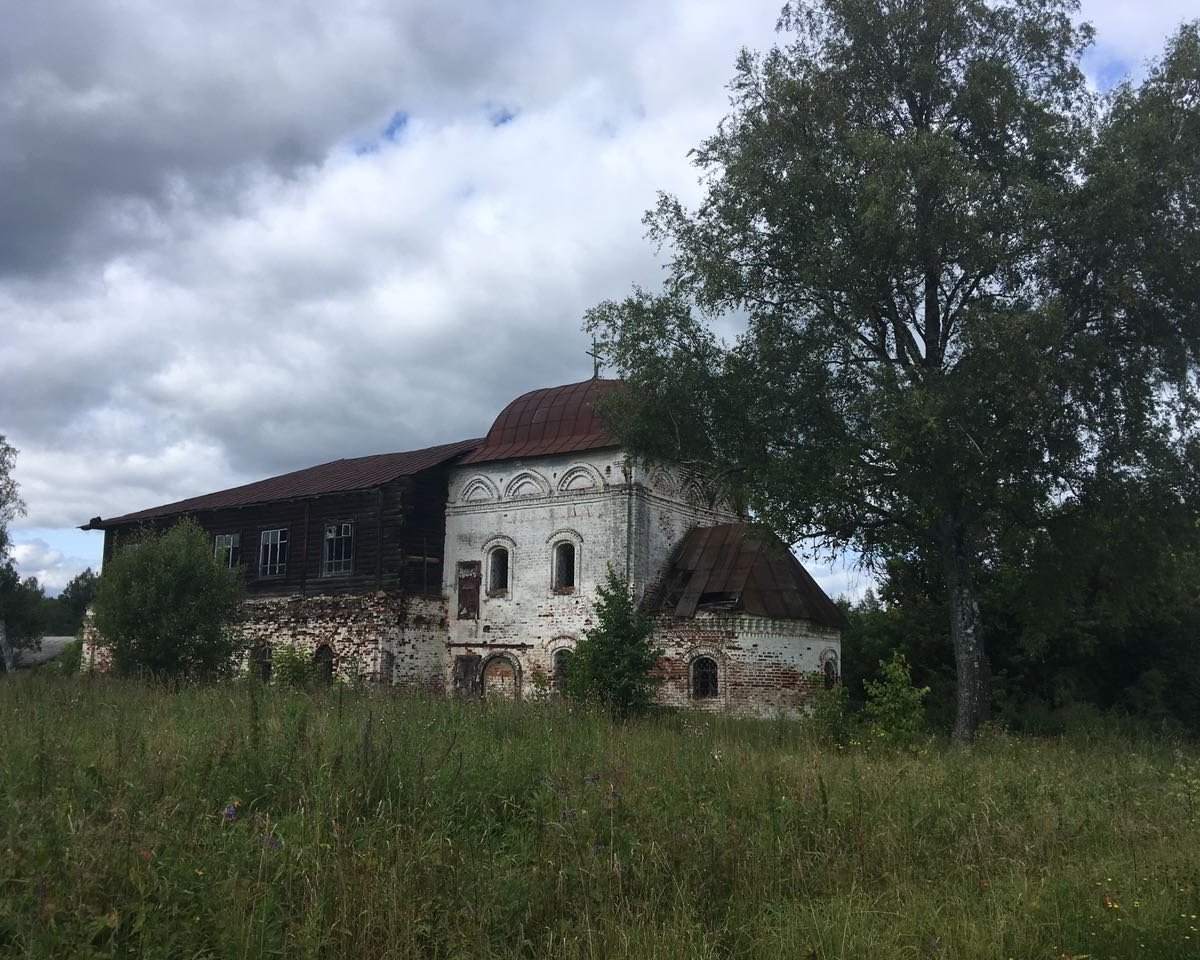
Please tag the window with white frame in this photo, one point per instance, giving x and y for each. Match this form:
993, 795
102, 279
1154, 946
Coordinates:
339, 548
273, 553
227, 548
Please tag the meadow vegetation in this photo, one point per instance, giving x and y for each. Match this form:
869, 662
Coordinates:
248, 821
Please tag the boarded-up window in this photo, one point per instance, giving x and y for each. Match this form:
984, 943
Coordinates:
466, 675
500, 679
704, 678
468, 590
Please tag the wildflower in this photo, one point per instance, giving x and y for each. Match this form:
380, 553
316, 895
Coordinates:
270, 840
230, 813
568, 815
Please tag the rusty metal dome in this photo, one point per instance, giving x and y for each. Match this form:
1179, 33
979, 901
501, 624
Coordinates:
547, 421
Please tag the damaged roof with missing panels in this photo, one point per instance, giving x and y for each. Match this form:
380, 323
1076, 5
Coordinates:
552, 420
356, 473
732, 568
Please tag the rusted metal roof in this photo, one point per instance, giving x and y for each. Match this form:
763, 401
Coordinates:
551, 420
356, 473
731, 567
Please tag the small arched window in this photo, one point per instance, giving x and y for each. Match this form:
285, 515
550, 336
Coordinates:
562, 663
323, 663
704, 678
498, 572
501, 679
831, 673
262, 663
564, 567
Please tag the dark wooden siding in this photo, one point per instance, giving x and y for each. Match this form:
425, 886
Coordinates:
399, 532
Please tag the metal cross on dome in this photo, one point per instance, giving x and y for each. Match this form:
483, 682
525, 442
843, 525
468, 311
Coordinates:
594, 353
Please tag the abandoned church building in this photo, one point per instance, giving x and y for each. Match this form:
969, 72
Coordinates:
472, 567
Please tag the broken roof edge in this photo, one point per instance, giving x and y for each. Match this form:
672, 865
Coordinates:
335, 476
739, 560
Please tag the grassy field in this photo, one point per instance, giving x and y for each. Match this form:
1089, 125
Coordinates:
244, 822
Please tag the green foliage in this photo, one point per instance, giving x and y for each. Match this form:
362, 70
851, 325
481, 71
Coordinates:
22, 609
165, 606
65, 612
832, 715
290, 667
70, 661
11, 505
893, 705
1099, 606
966, 285
176, 825
614, 661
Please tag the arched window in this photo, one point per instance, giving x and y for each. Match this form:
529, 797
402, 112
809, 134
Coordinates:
704, 678
562, 662
564, 567
501, 679
262, 662
830, 670
498, 572
323, 664
387, 667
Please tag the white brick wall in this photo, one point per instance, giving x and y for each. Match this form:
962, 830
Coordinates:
629, 520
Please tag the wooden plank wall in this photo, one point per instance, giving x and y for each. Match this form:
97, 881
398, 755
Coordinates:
399, 534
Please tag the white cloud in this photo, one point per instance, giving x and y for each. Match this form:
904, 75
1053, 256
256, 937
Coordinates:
53, 569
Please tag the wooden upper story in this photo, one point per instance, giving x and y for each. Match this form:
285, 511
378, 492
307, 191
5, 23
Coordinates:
350, 526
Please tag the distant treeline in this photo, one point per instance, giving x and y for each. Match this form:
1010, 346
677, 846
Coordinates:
29, 614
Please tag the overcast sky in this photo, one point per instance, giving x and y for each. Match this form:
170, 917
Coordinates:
238, 238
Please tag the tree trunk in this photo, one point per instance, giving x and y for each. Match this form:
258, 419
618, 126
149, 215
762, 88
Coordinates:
966, 631
7, 660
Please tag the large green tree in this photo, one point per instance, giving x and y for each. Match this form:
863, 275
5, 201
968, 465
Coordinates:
167, 607
19, 625
965, 285
22, 615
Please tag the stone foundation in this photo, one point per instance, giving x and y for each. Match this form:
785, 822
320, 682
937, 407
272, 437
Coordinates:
361, 630
765, 667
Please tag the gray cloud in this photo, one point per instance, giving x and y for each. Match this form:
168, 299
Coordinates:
205, 279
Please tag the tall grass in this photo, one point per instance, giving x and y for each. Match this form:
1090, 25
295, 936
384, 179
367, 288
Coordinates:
241, 821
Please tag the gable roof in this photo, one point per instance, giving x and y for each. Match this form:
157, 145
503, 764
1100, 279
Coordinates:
550, 420
355, 473
731, 567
